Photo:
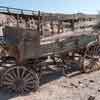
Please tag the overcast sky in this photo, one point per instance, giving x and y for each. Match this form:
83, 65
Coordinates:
61, 6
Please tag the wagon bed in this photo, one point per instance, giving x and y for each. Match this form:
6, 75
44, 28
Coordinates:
65, 42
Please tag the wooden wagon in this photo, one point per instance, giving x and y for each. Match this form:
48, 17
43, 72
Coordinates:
23, 55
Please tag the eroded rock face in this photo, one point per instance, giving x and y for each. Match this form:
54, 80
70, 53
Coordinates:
7, 20
48, 26
25, 21
12, 20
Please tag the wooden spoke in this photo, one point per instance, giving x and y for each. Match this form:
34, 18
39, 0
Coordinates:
18, 73
22, 74
8, 79
8, 84
13, 74
27, 76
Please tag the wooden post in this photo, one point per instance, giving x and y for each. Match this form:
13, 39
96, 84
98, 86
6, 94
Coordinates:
72, 24
17, 20
52, 28
58, 26
22, 12
41, 29
39, 19
8, 10
62, 30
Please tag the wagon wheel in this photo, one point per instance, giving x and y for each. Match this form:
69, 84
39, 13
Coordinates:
20, 79
90, 65
91, 60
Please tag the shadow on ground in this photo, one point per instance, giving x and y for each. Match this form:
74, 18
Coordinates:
6, 94
51, 74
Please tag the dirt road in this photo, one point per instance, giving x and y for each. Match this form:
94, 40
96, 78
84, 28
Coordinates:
57, 87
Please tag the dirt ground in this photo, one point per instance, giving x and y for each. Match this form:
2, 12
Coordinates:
54, 86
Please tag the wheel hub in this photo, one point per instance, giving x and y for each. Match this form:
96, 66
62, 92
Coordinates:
19, 83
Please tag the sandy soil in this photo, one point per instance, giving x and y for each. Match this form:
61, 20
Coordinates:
57, 87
